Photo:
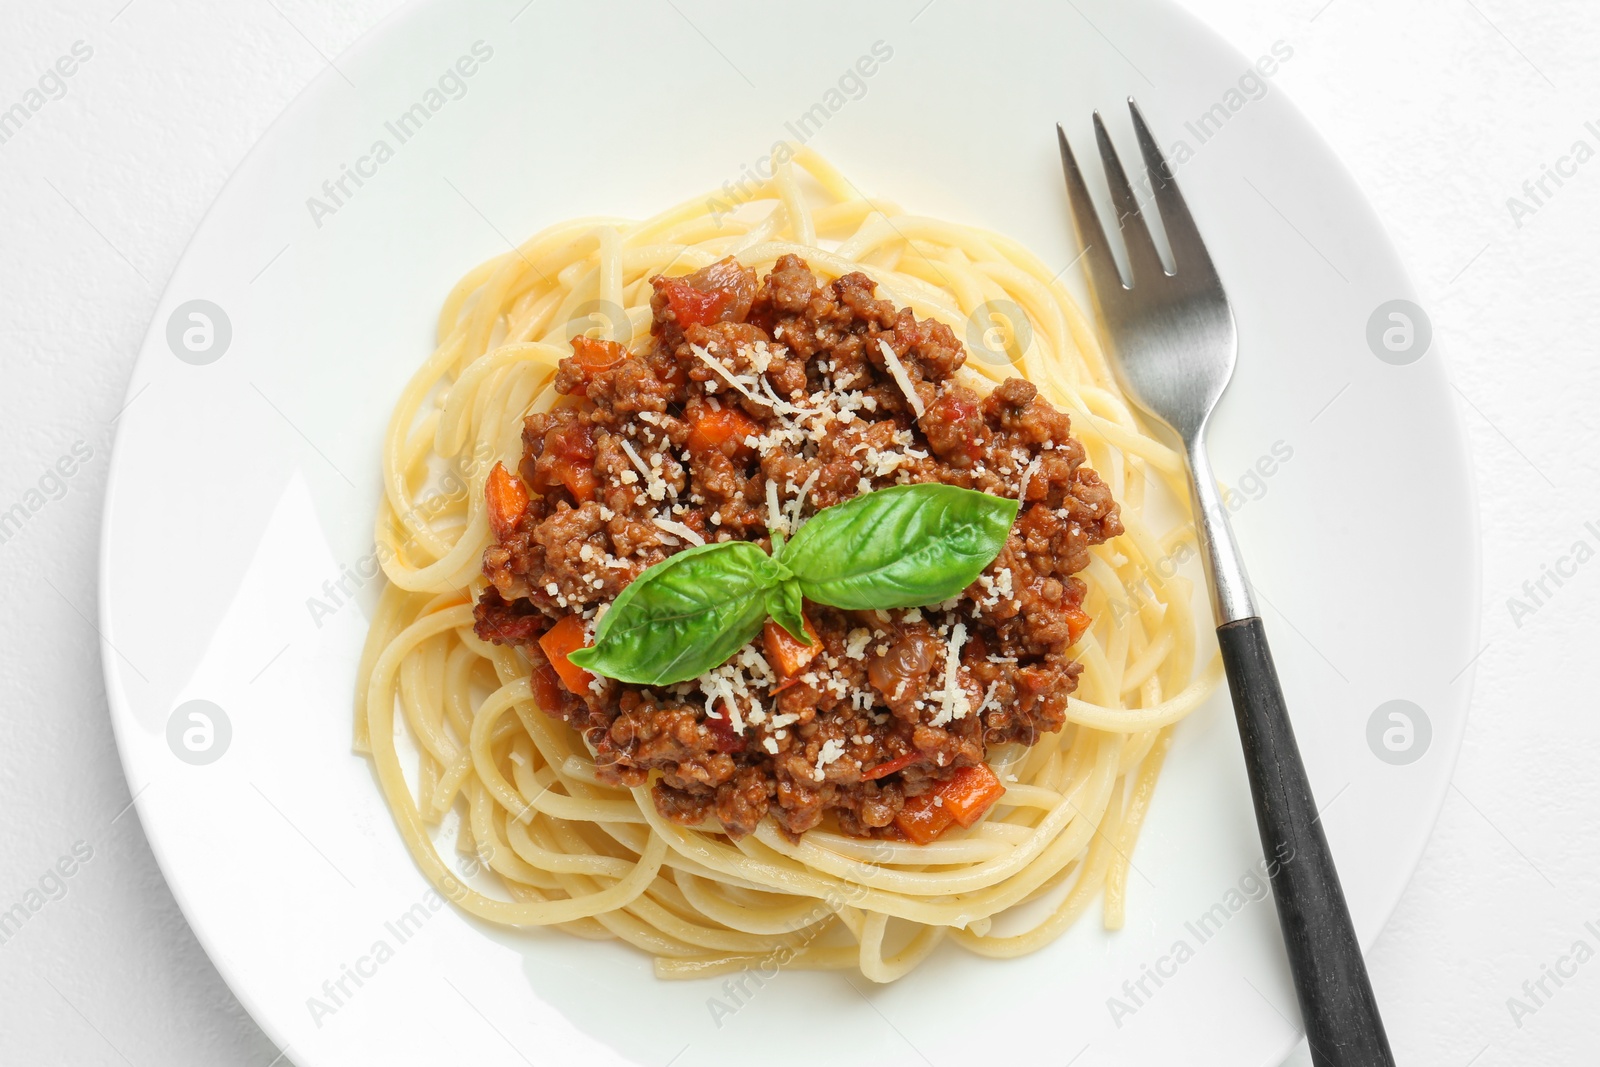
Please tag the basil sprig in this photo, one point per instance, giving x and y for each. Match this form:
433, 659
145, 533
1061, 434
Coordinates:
907, 546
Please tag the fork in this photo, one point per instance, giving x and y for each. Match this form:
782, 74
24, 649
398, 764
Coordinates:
1173, 347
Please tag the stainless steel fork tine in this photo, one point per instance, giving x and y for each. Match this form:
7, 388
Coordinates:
1143, 259
1095, 250
1188, 250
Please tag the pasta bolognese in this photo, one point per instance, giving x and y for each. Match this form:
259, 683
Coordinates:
748, 423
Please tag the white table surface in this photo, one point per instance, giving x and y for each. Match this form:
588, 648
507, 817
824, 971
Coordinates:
1442, 108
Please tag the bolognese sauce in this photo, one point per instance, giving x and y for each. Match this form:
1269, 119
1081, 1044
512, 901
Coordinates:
755, 403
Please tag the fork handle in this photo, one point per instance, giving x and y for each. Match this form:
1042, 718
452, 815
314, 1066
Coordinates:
1341, 1017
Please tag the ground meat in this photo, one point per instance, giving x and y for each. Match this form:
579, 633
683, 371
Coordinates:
742, 803
651, 450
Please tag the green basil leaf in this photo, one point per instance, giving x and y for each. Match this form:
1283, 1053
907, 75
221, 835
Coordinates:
783, 604
684, 616
907, 546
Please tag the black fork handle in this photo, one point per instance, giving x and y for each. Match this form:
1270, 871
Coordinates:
1343, 1026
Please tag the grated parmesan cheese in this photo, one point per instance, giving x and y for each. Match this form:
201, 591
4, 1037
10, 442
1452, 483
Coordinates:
656, 486
799, 501
998, 587
733, 686
1027, 475
776, 523
832, 749
760, 356
685, 532
897, 371
952, 698
725, 374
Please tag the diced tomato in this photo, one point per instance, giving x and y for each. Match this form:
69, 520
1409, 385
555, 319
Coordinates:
971, 792
565, 637
956, 429
593, 354
923, 818
899, 763
956, 407
507, 499
788, 656
723, 736
570, 440
963, 799
547, 689
578, 480
571, 447
691, 306
714, 427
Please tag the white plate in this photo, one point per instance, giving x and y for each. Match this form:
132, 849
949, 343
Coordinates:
241, 485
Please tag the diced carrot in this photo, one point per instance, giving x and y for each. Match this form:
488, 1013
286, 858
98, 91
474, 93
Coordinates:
715, 427
971, 792
963, 799
899, 763
596, 355
507, 499
1077, 623
788, 656
561, 639
923, 818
